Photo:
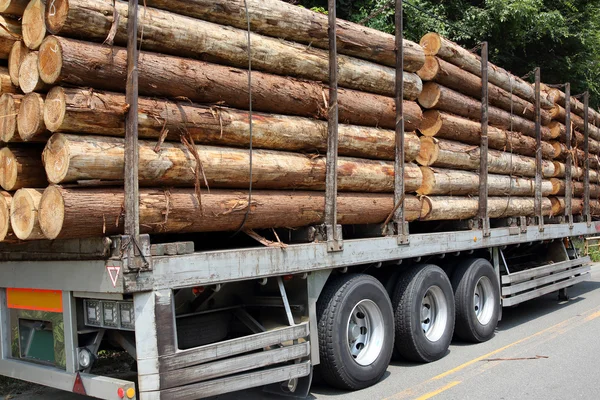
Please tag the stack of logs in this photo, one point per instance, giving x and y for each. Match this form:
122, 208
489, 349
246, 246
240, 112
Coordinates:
63, 111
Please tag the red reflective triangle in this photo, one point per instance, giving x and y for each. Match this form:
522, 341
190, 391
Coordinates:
78, 386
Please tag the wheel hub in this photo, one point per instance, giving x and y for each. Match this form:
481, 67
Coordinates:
365, 332
434, 313
483, 300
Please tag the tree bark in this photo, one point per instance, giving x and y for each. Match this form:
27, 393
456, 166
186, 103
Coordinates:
458, 208
67, 61
558, 97
5, 229
168, 33
559, 206
9, 106
443, 125
21, 167
577, 172
6, 85
70, 158
448, 154
438, 97
24, 214
177, 210
10, 32
13, 7
436, 45
437, 181
561, 152
453, 77
30, 121
29, 76
559, 114
559, 188
34, 24
282, 20
17, 54
103, 113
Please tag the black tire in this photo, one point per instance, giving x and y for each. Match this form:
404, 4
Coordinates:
412, 342
334, 308
464, 281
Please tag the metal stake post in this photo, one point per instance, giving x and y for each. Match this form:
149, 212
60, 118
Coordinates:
401, 225
538, 153
483, 163
132, 207
569, 161
334, 240
586, 159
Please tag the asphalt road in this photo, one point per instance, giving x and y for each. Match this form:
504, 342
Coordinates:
543, 349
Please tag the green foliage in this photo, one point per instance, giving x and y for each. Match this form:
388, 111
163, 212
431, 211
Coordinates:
561, 36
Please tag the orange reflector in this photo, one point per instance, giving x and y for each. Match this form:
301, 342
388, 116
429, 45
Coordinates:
35, 299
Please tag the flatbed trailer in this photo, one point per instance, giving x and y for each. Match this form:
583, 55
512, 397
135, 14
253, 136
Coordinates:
202, 320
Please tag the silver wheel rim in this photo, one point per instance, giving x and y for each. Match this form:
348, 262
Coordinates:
483, 300
365, 332
434, 313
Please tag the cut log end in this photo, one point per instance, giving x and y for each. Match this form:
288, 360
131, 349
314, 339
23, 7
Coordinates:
4, 4
55, 109
430, 95
432, 123
430, 69
555, 129
30, 121
429, 152
34, 26
29, 77
52, 212
8, 169
24, 214
8, 117
557, 186
428, 182
426, 208
15, 58
5, 200
431, 43
557, 208
56, 15
56, 158
50, 60
558, 149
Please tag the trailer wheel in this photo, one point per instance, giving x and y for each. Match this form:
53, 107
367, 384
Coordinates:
356, 331
477, 300
424, 314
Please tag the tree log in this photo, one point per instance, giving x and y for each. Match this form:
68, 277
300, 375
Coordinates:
6, 85
458, 208
559, 206
436, 45
168, 33
577, 138
9, 107
15, 58
29, 76
102, 113
282, 20
30, 121
67, 60
34, 24
559, 188
5, 229
448, 126
70, 158
22, 167
177, 210
448, 154
561, 152
453, 77
13, 7
558, 97
559, 114
24, 214
577, 172
438, 181
10, 32
444, 99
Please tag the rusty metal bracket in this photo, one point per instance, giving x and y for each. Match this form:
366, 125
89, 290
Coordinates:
569, 160
483, 153
538, 153
586, 159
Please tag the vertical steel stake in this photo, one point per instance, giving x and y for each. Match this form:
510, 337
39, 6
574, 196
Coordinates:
569, 161
333, 234
586, 159
483, 152
538, 153
132, 205
399, 219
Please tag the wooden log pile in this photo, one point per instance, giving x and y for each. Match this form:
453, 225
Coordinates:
63, 112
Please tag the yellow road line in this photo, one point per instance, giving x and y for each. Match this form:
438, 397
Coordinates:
440, 390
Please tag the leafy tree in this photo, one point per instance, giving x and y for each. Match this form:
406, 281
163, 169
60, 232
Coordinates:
561, 36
